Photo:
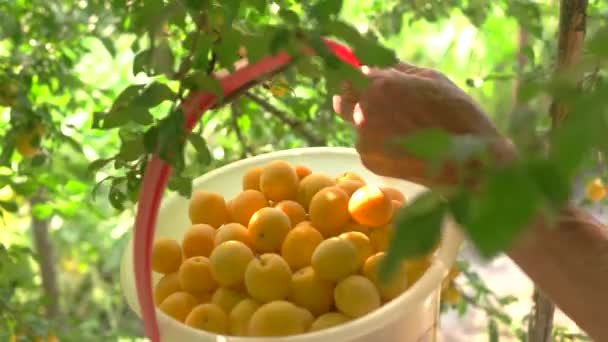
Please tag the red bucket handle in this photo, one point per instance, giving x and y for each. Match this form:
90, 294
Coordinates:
157, 173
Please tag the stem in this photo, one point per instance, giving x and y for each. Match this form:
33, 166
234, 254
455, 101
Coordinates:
540, 325
46, 258
296, 125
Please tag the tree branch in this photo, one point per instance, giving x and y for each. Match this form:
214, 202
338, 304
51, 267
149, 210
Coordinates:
46, 258
234, 114
296, 125
572, 25
540, 325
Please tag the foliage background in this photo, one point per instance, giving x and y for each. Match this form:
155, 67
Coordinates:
65, 65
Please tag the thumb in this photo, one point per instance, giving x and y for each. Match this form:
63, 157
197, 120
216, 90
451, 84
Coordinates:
407, 68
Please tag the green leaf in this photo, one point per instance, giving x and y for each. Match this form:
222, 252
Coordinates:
257, 45
344, 31
368, 52
506, 300
572, 141
431, 144
131, 149
461, 308
26, 188
7, 151
140, 62
42, 210
371, 53
171, 139
201, 57
504, 207
148, 16
597, 42
501, 316
231, 9
548, 177
259, 5
227, 49
141, 116
5, 180
127, 96
200, 145
117, 198
417, 231
38, 160
325, 9
201, 81
289, 16
161, 59
460, 204
279, 40
9, 206
196, 5
335, 76
73, 143
528, 15
182, 185
98, 164
75, 187
108, 44
155, 94
151, 139
116, 118
68, 208
120, 117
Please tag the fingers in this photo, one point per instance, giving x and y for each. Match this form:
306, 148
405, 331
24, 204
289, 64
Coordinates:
413, 70
344, 104
406, 68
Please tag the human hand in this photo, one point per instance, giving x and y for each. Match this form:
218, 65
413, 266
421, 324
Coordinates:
402, 100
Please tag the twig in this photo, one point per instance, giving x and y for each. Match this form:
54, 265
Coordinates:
234, 114
489, 309
46, 257
296, 125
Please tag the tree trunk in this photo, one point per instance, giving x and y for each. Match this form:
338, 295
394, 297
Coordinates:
572, 23
46, 258
540, 326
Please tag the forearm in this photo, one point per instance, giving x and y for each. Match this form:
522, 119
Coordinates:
569, 262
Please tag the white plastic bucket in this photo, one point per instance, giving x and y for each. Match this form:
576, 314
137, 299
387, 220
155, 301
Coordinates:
413, 316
